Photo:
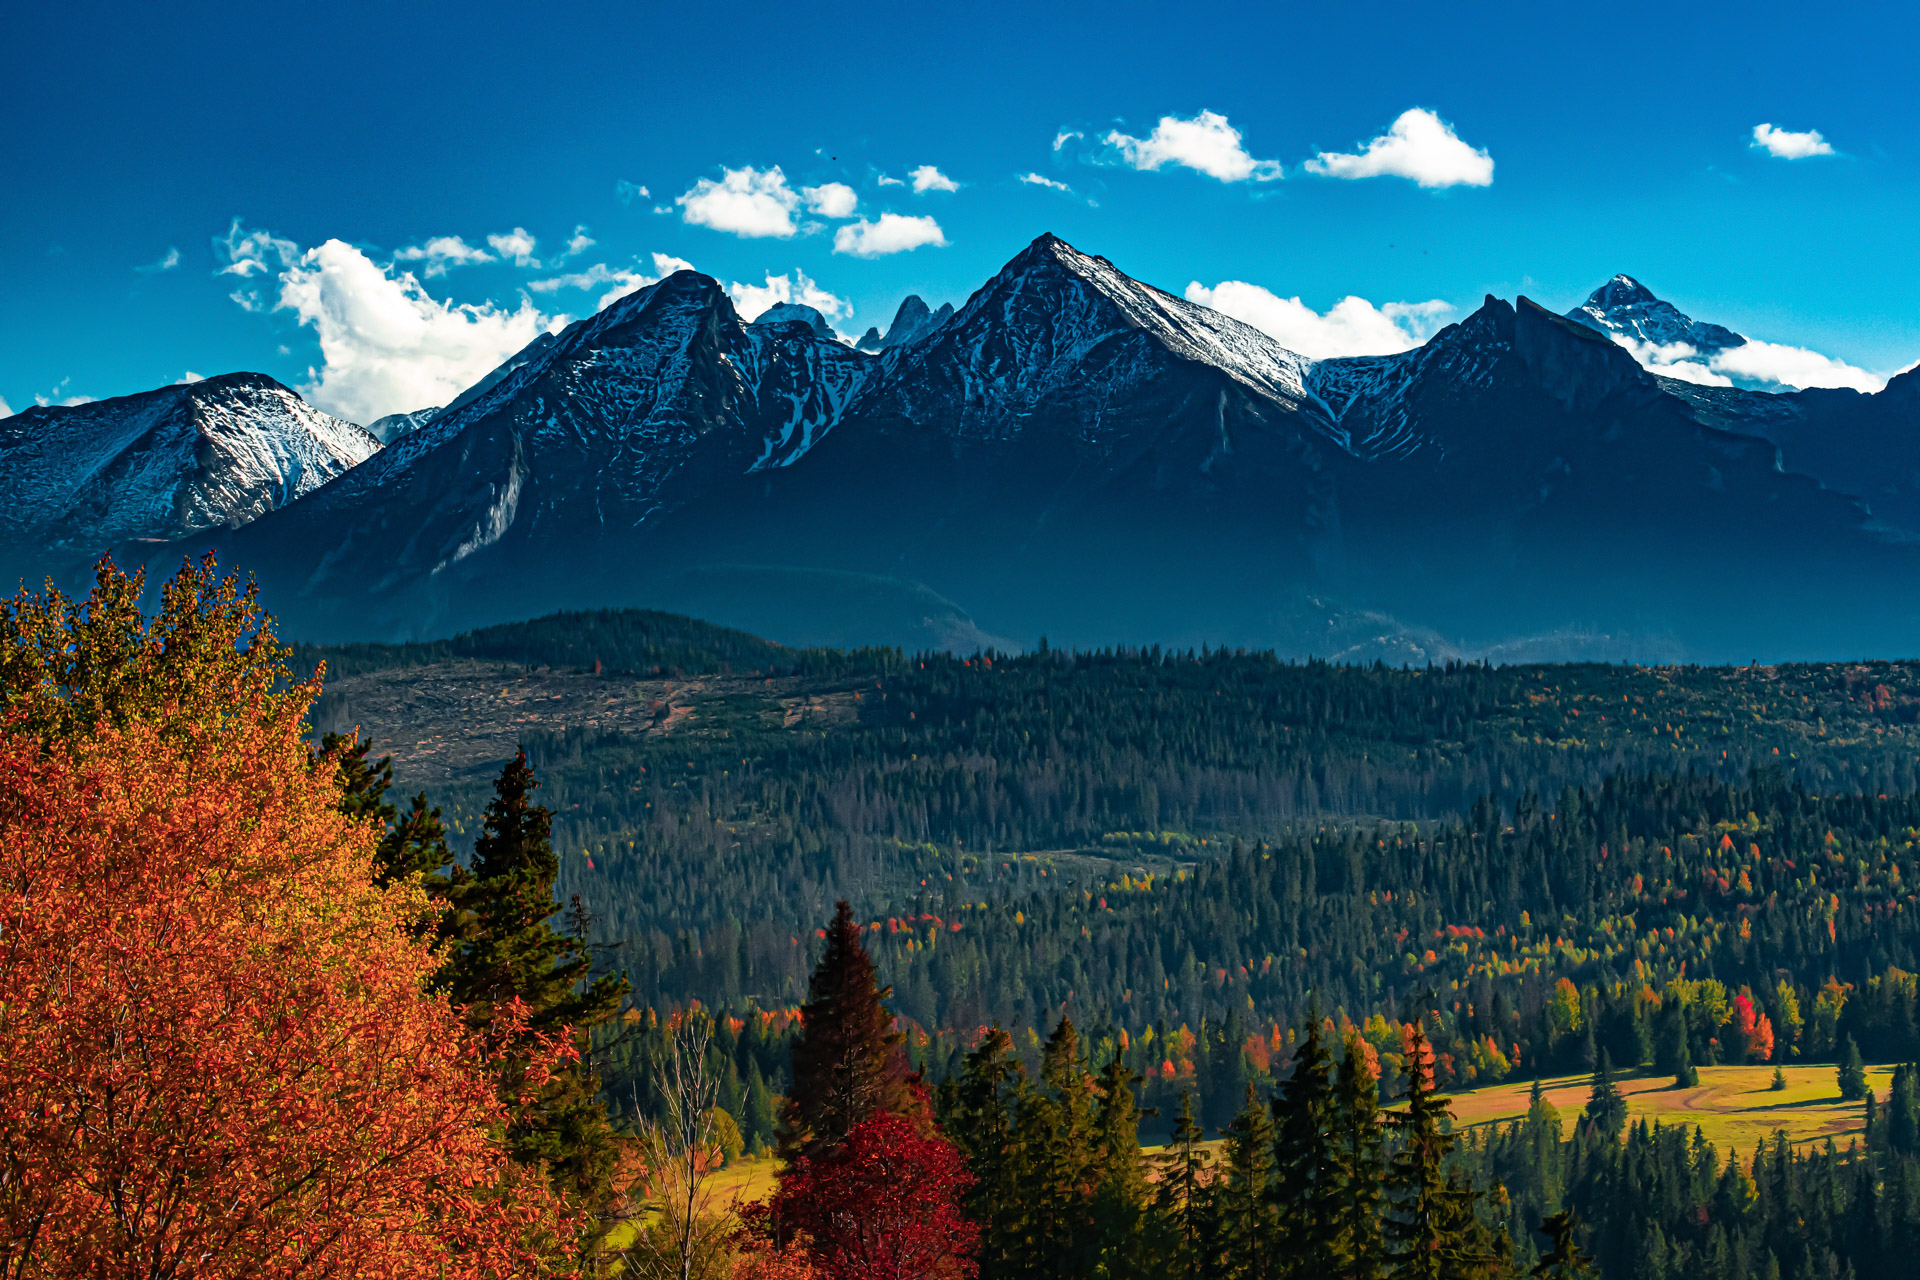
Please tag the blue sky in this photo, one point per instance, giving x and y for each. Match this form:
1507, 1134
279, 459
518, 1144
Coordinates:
216, 188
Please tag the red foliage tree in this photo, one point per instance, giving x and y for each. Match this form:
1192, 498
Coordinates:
884, 1206
218, 1056
1755, 1028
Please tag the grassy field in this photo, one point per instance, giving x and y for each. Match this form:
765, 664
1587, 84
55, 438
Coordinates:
1735, 1106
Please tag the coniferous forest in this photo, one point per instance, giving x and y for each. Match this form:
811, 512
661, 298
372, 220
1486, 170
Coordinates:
1109, 964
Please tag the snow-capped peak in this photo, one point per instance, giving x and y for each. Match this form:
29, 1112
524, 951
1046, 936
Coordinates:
1629, 312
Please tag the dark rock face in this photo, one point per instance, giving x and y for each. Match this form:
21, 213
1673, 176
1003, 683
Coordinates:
1079, 455
911, 322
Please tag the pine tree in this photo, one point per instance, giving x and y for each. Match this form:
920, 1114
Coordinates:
976, 1116
506, 950
847, 1060
1420, 1224
1306, 1189
1606, 1109
1250, 1229
1564, 1259
1054, 1131
409, 843
1182, 1200
1120, 1192
1852, 1073
1360, 1163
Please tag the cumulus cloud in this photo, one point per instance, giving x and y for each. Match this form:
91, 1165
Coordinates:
442, 252
893, 233
745, 202
386, 344
885, 181
517, 245
1789, 145
1065, 136
167, 263
751, 300
831, 199
625, 191
1351, 327
1037, 180
580, 243
1752, 361
1206, 143
625, 280
188, 378
927, 178
6, 410
1419, 145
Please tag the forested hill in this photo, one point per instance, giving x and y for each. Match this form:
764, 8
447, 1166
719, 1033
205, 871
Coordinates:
1200, 845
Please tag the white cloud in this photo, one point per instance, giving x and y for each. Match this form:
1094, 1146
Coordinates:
442, 252
1036, 180
1752, 361
1206, 143
893, 233
1351, 327
167, 263
750, 300
1419, 145
54, 397
831, 199
885, 181
927, 178
188, 378
1793, 367
580, 243
386, 345
625, 191
6, 410
1788, 145
515, 244
625, 280
745, 202
1065, 136
254, 253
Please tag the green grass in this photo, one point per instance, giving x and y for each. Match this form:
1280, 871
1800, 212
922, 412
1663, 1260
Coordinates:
1734, 1106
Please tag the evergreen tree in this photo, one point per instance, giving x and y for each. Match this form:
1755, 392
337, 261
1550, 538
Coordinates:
1564, 1259
1250, 1229
1852, 1073
847, 1060
1421, 1225
409, 843
1306, 1178
1120, 1194
976, 1116
507, 949
1182, 1199
1606, 1109
1054, 1132
1359, 1159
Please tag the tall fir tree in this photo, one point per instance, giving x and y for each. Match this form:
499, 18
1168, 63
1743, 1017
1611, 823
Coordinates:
1606, 1108
507, 949
1250, 1226
1852, 1073
847, 1059
1182, 1202
1120, 1192
1564, 1259
1306, 1177
976, 1114
1420, 1221
1054, 1131
1359, 1158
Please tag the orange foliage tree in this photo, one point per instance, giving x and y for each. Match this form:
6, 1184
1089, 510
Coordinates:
218, 1053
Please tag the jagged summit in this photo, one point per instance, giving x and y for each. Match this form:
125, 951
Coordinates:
913, 321
1623, 308
167, 463
797, 313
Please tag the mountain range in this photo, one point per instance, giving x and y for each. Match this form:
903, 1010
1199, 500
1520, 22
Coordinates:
1077, 455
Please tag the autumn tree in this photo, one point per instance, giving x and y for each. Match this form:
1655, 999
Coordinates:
847, 1061
218, 1052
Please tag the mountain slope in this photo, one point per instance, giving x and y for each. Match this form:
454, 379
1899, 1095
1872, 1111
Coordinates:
167, 463
1079, 455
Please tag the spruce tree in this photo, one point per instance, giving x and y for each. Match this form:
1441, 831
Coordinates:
1250, 1229
1182, 1201
1359, 1158
1606, 1108
1564, 1259
1054, 1131
409, 843
507, 949
1306, 1190
1120, 1192
847, 1060
1420, 1221
1852, 1073
976, 1116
